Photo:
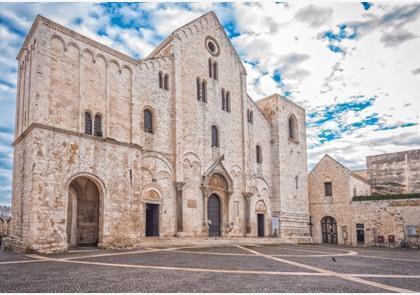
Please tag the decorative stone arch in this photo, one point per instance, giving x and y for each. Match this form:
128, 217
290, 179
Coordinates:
157, 156
152, 194
217, 181
101, 188
260, 207
90, 52
59, 38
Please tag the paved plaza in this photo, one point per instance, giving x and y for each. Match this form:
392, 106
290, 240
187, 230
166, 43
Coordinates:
224, 268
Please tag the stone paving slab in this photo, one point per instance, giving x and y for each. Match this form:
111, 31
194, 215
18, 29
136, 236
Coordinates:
174, 259
68, 277
219, 249
292, 250
406, 283
361, 265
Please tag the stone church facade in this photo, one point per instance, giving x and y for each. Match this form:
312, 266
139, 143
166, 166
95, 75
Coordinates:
378, 206
110, 150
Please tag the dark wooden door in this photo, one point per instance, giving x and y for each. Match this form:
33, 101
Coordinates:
329, 230
360, 232
152, 220
260, 225
213, 214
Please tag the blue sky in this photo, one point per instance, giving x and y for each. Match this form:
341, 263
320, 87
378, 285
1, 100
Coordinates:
355, 67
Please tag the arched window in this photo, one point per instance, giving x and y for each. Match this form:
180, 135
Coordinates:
228, 101
98, 125
215, 73
258, 154
88, 123
148, 121
293, 128
166, 82
354, 191
224, 102
251, 117
204, 91
160, 80
210, 68
198, 89
214, 136
297, 181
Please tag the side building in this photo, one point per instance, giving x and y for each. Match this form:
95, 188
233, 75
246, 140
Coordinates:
346, 209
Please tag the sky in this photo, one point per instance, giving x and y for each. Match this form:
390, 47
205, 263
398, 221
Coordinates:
354, 67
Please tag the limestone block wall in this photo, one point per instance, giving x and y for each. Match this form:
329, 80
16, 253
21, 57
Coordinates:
125, 177
197, 117
385, 218
358, 186
336, 206
395, 173
288, 166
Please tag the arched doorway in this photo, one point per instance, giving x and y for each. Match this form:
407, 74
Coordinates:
83, 213
329, 230
213, 213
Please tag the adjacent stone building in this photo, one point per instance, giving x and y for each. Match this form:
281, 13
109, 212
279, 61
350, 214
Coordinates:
109, 149
345, 206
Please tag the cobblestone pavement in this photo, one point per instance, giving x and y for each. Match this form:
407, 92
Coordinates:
246, 268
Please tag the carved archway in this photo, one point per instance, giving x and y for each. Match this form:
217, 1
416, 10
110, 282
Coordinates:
217, 181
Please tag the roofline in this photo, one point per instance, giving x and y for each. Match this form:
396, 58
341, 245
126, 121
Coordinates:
406, 151
350, 172
258, 108
284, 98
38, 18
171, 36
84, 38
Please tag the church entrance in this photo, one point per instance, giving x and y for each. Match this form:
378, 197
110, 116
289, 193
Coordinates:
329, 230
83, 213
261, 225
152, 220
213, 213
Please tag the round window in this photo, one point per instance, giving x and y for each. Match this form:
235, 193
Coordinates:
212, 46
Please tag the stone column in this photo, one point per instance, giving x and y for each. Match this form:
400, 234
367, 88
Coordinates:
247, 197
179, 206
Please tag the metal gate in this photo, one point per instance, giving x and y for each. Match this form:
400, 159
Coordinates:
152, 220
213, 214
329, 230
260, 225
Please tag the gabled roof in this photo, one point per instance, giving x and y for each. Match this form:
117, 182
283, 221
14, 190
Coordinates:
171, 36
347, 170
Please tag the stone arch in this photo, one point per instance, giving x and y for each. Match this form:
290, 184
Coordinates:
59, 38
293, 127
86, 193
260, 207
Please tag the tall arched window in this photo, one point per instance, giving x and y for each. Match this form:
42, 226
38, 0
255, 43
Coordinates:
148, 121
88, 123
210, 68
214, 136
198, 89
228, 101
224, 102
251, 117
98, 125
258, 154
297, 181
166, 82
293, 128
204, 91
160, 80
215, 72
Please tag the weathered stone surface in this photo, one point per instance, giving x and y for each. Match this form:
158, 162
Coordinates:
71, 187
379, 218
394, 173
